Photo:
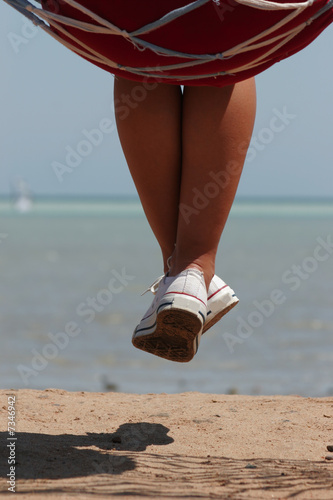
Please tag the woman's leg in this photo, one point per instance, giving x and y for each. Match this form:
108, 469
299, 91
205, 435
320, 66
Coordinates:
150, 134
217, 125
186, 156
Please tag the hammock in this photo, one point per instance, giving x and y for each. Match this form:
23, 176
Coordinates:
201, 42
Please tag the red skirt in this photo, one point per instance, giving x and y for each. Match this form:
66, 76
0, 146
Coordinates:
218, 43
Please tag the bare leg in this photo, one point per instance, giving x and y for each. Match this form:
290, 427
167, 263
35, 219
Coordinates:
216, 131
150, 134
188, 153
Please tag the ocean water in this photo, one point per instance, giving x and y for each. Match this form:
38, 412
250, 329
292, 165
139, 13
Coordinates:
71, 278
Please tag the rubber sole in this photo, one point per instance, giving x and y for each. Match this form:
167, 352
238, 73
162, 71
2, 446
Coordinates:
176, 337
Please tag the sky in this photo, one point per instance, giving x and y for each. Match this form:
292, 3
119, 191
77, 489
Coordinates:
51, 100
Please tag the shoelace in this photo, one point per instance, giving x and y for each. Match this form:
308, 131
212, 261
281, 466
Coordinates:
153, 288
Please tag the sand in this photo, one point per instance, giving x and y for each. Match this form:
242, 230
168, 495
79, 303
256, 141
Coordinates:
192, 445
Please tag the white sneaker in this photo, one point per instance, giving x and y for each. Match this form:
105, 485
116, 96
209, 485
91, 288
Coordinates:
221, 299
172, 326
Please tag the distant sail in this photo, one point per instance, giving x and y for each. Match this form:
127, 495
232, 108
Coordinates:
22, 196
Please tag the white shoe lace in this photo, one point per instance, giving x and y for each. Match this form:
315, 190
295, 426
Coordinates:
153, 288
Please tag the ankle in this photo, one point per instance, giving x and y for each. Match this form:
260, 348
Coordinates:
168, 256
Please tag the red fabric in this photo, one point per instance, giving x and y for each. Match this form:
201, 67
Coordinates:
209, 29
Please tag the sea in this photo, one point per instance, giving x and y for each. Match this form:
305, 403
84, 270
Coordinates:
72, 274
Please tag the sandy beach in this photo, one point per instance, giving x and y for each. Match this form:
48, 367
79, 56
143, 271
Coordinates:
191, 445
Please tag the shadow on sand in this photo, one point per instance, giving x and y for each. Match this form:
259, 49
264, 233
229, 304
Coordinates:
119, 464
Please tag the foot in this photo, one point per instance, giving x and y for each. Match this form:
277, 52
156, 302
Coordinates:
221, 299
172, 326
